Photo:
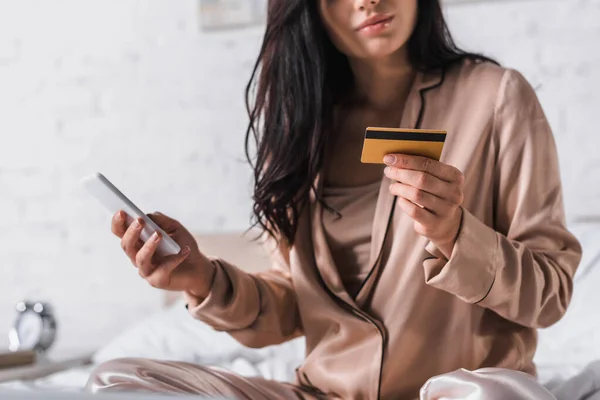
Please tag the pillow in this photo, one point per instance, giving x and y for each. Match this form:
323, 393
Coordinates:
173, 334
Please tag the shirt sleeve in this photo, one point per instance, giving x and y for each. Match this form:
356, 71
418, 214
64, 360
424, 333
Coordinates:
523, 267
259, 309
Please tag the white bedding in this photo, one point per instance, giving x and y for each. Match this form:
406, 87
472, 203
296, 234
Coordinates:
71, 380
567, 347
172, 334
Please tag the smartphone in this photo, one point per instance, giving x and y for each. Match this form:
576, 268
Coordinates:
114, 200
379, 142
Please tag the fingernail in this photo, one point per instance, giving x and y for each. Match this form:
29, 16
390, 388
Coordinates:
186, 250
138, 223
387, 170
155, 236
118, 216
389, 159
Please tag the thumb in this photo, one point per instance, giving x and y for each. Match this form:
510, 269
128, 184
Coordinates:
166, 223
172, 262
162, 277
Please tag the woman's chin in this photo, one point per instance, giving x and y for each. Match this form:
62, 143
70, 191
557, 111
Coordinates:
378, 51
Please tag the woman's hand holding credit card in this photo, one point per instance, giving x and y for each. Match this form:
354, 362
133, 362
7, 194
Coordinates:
429, 191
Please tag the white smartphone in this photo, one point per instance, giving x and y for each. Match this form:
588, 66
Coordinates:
114, 200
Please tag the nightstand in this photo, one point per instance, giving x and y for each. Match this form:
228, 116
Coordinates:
43, 367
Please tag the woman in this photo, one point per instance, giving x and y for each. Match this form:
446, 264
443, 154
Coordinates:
388, 293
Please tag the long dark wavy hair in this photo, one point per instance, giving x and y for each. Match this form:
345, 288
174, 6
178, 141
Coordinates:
297, 80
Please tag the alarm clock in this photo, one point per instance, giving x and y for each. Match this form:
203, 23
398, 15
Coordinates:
34, 327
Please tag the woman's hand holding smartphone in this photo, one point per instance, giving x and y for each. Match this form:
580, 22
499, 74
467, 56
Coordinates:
189, 271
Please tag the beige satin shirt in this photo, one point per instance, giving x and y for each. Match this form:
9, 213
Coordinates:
348, 228
419, 314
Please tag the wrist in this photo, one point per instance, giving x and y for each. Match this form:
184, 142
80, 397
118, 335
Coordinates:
201, 284
446, 245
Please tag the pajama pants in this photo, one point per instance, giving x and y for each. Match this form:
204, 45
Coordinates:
169, 377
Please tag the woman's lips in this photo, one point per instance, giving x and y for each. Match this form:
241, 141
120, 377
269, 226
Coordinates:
375, 24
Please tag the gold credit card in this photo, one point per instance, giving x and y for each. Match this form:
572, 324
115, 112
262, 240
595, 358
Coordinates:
419, 142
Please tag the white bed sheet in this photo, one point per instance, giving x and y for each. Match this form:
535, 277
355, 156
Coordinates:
173, 335
71, 380
568, 346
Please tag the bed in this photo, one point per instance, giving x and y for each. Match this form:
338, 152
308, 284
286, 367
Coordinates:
171, 333
567, 351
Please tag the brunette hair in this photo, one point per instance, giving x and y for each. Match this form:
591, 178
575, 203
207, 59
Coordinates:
297, 80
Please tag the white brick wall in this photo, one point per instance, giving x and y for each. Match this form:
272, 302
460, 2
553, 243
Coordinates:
555, 44
133, 89
130, 88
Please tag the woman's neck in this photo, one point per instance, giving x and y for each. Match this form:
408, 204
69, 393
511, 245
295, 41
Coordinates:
383, 83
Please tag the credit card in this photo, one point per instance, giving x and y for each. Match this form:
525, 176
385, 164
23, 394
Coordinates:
419, 142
